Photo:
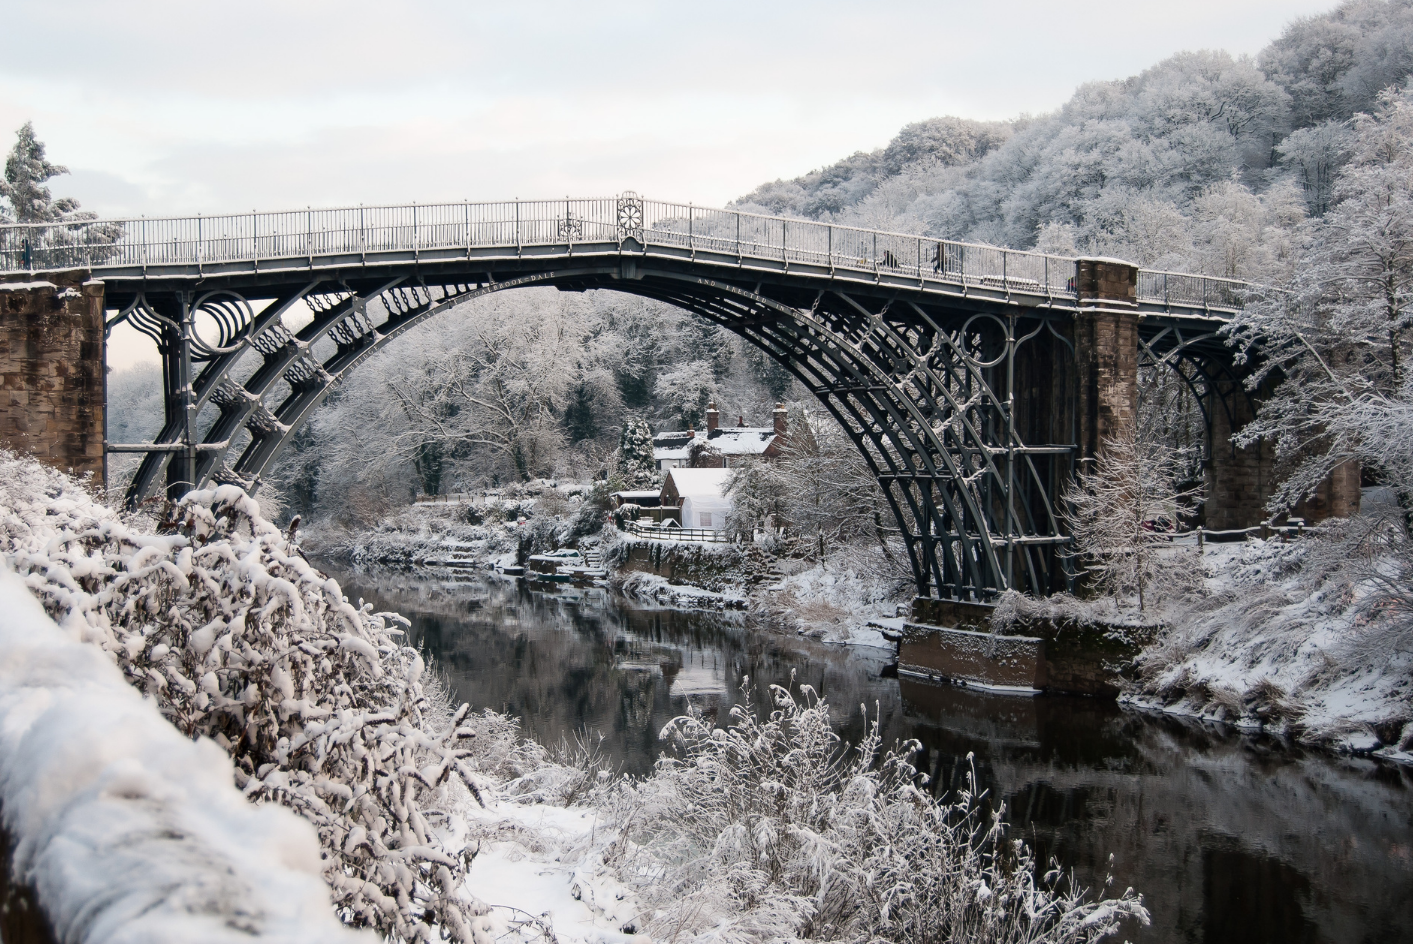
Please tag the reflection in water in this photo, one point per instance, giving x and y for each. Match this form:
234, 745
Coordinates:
1229, 839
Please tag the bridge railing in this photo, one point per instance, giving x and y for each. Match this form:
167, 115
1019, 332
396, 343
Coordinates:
297, 237
832, 246
1191, 291
311, 234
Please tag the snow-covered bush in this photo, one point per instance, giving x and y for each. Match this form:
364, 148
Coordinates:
1309, 638
219, 619
772, 830
121, 829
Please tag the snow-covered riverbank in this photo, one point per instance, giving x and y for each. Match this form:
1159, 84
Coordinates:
1280, 639
833, 600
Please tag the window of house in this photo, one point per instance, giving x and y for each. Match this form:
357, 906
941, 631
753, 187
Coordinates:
706, 519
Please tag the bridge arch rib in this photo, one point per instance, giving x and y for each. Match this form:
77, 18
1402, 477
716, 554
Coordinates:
922, 393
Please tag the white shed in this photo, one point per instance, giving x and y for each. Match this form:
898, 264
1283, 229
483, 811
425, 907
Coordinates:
702, 495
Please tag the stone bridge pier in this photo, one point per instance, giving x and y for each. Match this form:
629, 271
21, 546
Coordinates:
52, 373
1238, 480
1106, 352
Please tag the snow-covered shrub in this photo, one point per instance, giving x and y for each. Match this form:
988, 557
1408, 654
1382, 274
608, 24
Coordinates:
121, 829
772, 830
1309, 637
220, 620
1016, 613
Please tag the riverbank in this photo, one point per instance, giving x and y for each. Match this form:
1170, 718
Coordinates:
833, 599
1283, 637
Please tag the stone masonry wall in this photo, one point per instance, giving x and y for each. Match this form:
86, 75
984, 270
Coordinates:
1239, 481
1337, 497
52, 379
1106, 352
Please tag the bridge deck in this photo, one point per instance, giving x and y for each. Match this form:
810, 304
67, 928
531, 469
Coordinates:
248, 251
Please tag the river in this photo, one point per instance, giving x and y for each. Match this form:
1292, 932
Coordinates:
1229, 838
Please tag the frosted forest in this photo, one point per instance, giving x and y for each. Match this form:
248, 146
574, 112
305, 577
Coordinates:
226, 704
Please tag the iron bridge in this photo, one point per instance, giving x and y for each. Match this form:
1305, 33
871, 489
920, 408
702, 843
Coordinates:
952, 366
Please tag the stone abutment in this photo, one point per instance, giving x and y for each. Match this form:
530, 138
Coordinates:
52, 375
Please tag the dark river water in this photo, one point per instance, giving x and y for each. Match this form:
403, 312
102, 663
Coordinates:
1229, 838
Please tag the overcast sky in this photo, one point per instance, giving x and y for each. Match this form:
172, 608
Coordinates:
195, 106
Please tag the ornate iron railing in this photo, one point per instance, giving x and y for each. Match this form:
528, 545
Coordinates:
310, 238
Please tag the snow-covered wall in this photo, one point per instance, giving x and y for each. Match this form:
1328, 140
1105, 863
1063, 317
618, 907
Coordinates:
125, 829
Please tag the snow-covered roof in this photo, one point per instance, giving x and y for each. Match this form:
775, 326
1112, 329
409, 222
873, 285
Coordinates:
635, 493
671, 445
700, 483
741, 440
728, 441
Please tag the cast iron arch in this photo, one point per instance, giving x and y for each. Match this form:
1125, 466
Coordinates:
927, 395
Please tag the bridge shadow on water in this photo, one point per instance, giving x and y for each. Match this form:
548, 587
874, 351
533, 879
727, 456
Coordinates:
1230, 839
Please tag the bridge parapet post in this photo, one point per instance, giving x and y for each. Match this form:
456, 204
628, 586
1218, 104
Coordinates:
52, 376
1106, 351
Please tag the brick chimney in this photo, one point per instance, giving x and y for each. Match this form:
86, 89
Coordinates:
779, 416
713, 418
741, 421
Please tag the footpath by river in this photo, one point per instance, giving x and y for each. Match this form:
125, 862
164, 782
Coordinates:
1229, 838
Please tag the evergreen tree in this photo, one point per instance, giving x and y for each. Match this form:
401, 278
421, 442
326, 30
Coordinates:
635, 455
26, 171
1110, 510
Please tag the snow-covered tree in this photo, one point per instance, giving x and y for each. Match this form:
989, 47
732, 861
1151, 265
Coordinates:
1239, 234
1337, 337
27, 170
820, 489
634, 458
1119, 513
1334, 66
1316, 155
686, 389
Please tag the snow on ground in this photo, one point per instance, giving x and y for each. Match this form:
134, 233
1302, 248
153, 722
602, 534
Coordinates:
474, 530
540, 868
835, 600
126, 829
1271, 646
419, 534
